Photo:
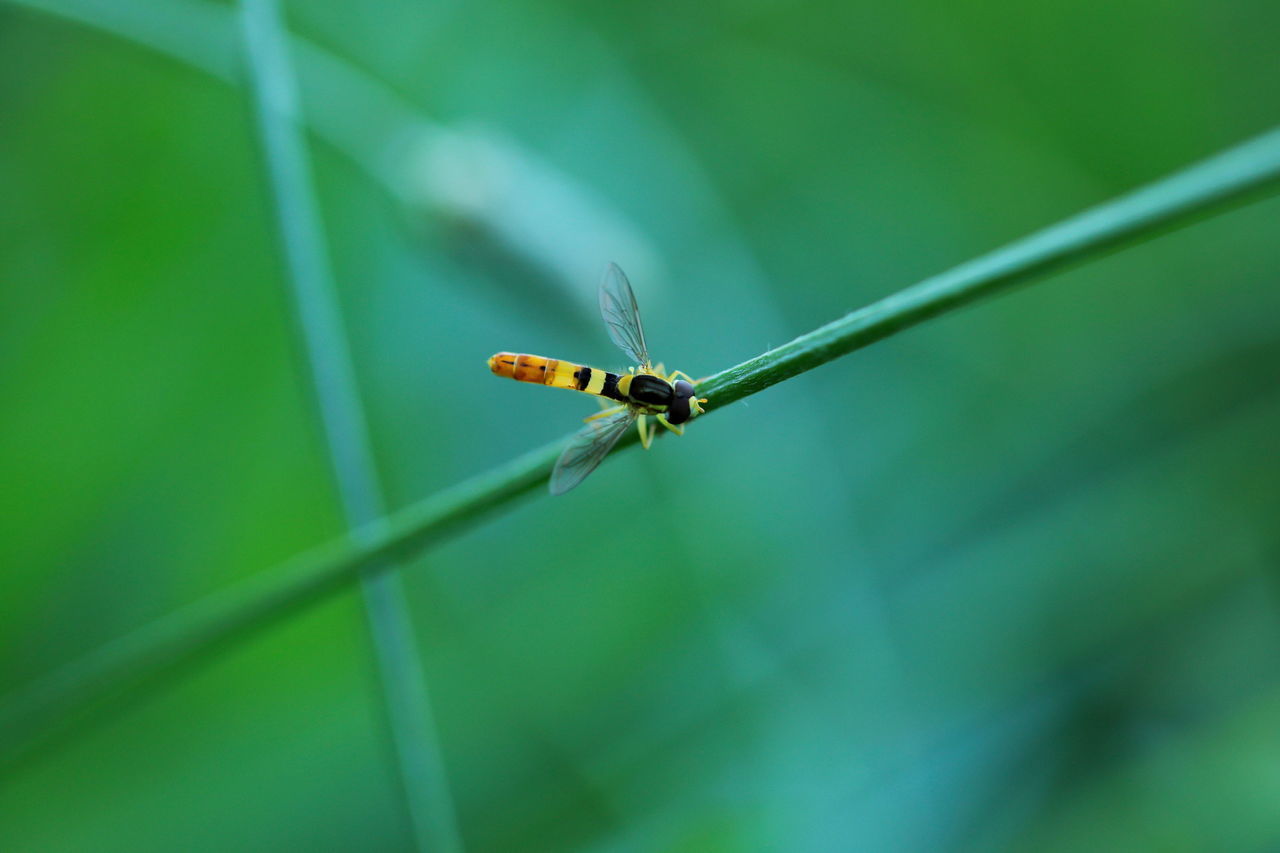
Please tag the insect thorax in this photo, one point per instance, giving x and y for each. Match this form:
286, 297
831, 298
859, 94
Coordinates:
650, 391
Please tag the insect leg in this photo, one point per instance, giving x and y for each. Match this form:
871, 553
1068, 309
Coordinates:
678, 430
646, 434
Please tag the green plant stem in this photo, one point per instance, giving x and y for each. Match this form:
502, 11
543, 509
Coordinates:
1211, 186
404, 688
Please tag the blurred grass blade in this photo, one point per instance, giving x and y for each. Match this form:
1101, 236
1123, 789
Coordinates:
469, 174
1208, 187
320, 325
197, 33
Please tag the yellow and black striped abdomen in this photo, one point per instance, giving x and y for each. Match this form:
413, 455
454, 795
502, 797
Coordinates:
556, 373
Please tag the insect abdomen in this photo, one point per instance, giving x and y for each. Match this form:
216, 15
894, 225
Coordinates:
554, 372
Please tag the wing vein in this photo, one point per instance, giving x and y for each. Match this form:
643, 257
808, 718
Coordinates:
621, 314
588, 448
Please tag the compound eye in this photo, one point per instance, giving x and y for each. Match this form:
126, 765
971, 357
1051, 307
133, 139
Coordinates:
678, 411
683, 389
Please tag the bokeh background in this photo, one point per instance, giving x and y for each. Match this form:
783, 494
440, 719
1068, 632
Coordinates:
1006, 581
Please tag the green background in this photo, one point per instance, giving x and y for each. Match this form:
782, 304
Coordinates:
1007, 581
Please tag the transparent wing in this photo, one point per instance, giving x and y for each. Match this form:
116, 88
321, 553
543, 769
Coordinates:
622, 315
588, 448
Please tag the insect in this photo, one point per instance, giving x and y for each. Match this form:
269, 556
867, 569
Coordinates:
633, 397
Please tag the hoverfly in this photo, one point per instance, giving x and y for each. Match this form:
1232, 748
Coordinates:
642, 392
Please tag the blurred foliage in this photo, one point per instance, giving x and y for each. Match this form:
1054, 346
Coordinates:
1005, 582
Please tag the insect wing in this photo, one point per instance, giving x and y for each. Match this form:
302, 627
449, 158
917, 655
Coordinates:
622, 315
588, 448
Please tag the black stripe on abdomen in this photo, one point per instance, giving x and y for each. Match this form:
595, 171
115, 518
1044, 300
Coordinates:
584, 377
610, 388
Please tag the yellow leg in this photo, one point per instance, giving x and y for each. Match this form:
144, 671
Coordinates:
612, 410
646, 434
676, 374
678, 430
